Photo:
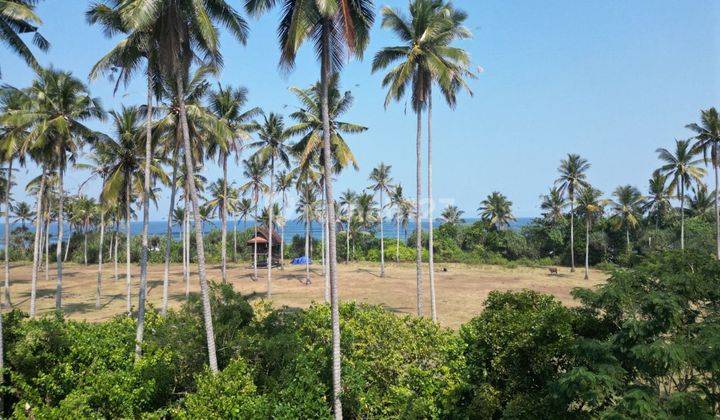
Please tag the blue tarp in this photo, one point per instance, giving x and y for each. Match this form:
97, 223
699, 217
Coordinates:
301, 260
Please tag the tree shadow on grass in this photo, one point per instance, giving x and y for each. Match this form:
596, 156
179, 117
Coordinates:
78, 308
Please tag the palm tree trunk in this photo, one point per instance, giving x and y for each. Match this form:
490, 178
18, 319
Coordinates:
627, 238
255, 251
307, 246
335, 301
418, 222
37, 250
115, 246
431, 251
223, 217
397, 239
199, 241
85, 232
235, 222
140, 331
6, 291
270, 226
98, 289
325, 257
67, 245
347, 240
168, 236
682, 215
572, 233
186, 243
58, 247
382, 237
587, 247
717, 212
282, 231
128, 277
47, 246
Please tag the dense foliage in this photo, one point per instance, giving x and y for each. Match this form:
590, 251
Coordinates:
644, 345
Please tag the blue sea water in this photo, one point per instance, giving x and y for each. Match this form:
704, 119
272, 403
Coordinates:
292, 228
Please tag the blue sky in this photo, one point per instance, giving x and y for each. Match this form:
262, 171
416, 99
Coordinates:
610, 80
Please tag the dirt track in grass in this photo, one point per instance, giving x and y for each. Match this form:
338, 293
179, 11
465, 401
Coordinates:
461, 289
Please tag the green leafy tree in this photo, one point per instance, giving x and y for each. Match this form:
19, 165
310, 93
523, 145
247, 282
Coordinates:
572, 177
18, 17
496, 209
590, 207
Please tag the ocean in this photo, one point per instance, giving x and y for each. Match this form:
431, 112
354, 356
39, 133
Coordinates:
292, 228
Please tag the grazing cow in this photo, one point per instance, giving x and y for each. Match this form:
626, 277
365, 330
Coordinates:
553, 270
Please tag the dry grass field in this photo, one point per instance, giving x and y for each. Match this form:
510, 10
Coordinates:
461, 289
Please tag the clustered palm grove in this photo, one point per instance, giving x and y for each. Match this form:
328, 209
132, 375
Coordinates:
259, 362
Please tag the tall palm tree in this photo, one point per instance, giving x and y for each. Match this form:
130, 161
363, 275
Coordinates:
230, 126
426, 57
366, 211
307, 206
452, 215
683, 168
18, 17
244, 209
708, 140
496, 209
657, 202
572, 177
271, 148
23, 213
218, 204
553, 205
61, 105
254, 172
627, 209
380, 183
347, 202
338, 28
182, 31
86, 210
590, 207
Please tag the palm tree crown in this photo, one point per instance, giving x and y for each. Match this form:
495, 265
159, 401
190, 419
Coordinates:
496, 209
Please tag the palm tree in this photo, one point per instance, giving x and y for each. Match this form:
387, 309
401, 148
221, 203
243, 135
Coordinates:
23, 213
573, 176
124, 152
589, 207
708, 139
271, 148
254, 172
380, 179
553, 205
18, 17
684, 169
182, 31
426, 57
452, 215
366, 211
627, 209
86, 210
496, 209
701, 201
60, 106
338, 28
347, 202
244, 209
659, 195
230, 125
218, 204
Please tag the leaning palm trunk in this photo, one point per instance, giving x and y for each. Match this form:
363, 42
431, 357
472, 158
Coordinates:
330, 204
128, 278
431, 251
587, 247
255, 250
140, 331
168, 237
85, 233
418, 225
572, 233
37, 250
627, 238
47, 246
6, 293
282, 232
186, 244
270, 226
58, 247
382, 238
326, 257
199, 242
223, 229
98, 290
116, 234
67, 245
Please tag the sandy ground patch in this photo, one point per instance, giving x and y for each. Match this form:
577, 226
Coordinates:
461, 289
